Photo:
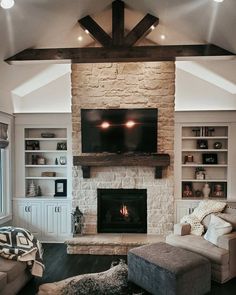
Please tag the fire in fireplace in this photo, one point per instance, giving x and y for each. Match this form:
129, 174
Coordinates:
122, 211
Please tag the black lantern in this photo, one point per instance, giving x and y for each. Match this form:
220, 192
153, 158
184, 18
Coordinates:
77, 221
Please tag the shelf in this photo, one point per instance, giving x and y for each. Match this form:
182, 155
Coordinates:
204, 165
205, 150
204, 180
47, 139
204, 137
159, 161
45, 166
39, 198
44, 178
202, 198
45, 151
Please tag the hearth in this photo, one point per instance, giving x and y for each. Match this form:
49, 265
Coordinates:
122, 211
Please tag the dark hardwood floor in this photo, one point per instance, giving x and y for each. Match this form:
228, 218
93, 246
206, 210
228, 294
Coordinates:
59, 265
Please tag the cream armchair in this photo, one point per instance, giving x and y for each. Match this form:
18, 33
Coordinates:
222, 257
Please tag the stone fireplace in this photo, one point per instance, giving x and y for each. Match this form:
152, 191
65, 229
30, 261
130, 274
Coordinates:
121, 85
122, 211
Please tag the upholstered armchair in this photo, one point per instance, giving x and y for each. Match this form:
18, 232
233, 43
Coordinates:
222, 256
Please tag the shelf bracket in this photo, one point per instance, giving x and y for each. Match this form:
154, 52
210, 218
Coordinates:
86, 171
158, 172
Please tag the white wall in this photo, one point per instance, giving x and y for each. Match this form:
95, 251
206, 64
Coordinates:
6, 105
195, 94
192, 94
54, 97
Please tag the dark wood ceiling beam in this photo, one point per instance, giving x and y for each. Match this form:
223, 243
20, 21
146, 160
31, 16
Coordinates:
87, 23
142, 29
120, 54
118, 22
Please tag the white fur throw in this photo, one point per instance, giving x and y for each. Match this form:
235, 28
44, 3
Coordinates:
204, 208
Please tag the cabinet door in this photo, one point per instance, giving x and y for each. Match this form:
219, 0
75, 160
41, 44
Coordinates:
185, 208
35, 219
64, 221
50, 219
21, 214
182, 210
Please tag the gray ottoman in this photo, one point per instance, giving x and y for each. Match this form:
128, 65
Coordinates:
164, 269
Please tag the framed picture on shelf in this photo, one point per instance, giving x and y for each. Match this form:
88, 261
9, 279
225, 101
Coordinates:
187, 189
202, 144
219, 190
62, 146
60, 188
32, 145
209, 159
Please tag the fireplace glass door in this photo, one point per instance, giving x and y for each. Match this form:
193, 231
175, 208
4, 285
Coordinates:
122, 211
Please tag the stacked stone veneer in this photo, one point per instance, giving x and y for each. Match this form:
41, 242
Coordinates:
131, 85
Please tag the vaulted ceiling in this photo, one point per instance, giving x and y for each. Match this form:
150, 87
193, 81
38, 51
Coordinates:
54, 23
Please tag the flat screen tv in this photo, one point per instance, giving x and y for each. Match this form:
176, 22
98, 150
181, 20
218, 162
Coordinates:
119, 130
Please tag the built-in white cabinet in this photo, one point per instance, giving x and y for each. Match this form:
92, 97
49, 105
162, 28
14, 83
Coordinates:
43, 171
28, 214
184, 208
57, 221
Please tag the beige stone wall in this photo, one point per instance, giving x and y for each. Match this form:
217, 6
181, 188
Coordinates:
132, 85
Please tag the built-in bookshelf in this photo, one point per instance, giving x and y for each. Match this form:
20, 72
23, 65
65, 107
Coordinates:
204, 156
45, 154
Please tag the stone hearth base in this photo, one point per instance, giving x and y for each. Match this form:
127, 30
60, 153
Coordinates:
109, 244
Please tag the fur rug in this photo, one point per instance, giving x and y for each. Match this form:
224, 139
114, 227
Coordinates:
111, 282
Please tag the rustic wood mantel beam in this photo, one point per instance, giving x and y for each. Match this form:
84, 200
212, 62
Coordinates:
118, 22
142, 29
95, 31
120, 54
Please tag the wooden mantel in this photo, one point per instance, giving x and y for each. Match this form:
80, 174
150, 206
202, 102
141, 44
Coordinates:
159, 161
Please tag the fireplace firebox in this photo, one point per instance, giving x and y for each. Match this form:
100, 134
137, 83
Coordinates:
122, 211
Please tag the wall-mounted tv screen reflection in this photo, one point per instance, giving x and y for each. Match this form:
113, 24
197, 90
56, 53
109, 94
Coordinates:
119, 130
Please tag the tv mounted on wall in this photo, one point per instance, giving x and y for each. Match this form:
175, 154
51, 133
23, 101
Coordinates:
119, 130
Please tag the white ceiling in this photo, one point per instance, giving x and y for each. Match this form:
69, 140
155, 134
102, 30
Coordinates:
53, 23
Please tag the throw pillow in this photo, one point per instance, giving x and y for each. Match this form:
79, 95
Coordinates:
231, 218
217, 227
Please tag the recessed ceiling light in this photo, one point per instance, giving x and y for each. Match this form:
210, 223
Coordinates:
219, 1
80, 38
163, 36
87, 31
6, 4
152, 27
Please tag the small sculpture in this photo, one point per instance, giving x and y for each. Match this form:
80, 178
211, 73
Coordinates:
32, 190
39, 192
206, 190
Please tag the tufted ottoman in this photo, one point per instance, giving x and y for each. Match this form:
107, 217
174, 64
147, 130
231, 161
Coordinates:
164, 269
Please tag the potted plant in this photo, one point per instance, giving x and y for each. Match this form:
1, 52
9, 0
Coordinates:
200, 173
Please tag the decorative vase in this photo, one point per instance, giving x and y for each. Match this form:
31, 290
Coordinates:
200, 175
62, 160
206, 191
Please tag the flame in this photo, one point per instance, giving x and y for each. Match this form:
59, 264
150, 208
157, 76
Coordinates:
124, 211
